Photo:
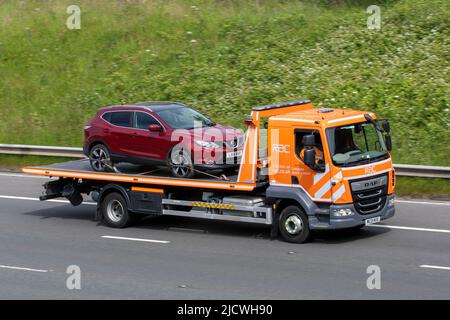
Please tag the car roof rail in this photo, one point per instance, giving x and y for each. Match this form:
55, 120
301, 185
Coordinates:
156, 103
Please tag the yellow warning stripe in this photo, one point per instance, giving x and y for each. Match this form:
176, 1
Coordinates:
212, 205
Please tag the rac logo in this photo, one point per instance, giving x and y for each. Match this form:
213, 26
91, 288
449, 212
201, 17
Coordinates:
280, 148
370, 170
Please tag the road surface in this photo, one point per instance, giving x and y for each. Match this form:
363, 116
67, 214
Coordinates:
181, 258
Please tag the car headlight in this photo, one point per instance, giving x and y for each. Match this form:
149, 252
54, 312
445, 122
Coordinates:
343, 212
207, 144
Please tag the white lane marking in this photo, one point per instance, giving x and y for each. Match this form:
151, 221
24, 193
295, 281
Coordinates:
423, 202
434, 267
136, 239
18, 175
37, 199
23, 269
408, 228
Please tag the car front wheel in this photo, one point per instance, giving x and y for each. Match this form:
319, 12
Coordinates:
181, 164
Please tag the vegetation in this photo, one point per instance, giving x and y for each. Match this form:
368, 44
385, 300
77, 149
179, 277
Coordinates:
222, 57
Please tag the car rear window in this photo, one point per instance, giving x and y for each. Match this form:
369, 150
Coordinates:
119, 118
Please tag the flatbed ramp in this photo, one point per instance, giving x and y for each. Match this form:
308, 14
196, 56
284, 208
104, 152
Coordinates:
128, 173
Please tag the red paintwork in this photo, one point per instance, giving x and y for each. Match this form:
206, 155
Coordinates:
133, 142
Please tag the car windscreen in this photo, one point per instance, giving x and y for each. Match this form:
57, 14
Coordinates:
184, 118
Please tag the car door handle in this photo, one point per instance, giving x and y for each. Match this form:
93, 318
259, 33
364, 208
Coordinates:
106, 130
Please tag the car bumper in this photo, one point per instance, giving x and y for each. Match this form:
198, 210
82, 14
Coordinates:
331, 222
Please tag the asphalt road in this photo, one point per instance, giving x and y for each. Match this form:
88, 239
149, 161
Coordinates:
197, 259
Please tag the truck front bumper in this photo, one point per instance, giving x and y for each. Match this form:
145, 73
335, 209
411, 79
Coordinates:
321, 221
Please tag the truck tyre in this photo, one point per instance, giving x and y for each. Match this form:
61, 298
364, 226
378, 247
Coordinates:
115, 212
100, 158
294, 226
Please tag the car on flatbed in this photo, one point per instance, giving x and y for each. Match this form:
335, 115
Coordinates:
161, 133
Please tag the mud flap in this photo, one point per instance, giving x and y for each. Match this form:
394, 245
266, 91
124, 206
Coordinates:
275, 225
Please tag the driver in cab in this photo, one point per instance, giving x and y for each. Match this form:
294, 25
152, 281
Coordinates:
318, 150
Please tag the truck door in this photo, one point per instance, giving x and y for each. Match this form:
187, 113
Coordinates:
317, 184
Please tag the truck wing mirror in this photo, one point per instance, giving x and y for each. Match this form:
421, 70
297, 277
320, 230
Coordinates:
385, 125
388, 141
309, 140
310, 157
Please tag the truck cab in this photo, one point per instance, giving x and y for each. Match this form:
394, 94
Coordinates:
334, 162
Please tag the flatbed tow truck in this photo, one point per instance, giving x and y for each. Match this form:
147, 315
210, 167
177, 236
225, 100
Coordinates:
279, 183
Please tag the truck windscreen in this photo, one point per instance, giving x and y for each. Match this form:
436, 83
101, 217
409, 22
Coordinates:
356, 144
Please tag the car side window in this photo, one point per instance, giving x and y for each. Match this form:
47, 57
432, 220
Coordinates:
121, 118
143, 120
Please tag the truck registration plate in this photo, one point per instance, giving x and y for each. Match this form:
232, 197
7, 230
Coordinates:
372, 220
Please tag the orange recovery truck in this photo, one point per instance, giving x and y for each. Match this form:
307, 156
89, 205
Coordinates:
303, 169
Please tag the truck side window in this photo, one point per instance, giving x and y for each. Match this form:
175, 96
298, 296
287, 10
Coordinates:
299, 134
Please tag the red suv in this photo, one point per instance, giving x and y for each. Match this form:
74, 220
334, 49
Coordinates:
161, 133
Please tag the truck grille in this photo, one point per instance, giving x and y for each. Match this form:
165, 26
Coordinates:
369, 195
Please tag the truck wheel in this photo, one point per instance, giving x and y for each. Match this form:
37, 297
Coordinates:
294, 226
181, 164
115, 212
100, 158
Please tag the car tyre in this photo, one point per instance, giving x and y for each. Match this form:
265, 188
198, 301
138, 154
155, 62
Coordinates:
180, 163
100, 158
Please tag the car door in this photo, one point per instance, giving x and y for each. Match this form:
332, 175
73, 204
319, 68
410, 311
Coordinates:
148, 144
120, 132
316, 183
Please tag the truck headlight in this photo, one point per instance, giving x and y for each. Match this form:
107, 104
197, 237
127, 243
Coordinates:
343, 212
207, 144
391, 202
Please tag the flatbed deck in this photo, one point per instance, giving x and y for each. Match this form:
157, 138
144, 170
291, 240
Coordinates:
128, 173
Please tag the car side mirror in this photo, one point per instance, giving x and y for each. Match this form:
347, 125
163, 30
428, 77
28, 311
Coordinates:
155, 128
388, 141
310, 157
385, 125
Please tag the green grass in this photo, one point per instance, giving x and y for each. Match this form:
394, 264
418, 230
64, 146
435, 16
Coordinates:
222, 57
423, 188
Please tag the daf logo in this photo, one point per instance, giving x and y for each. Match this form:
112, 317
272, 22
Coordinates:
371, 184
370, 170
